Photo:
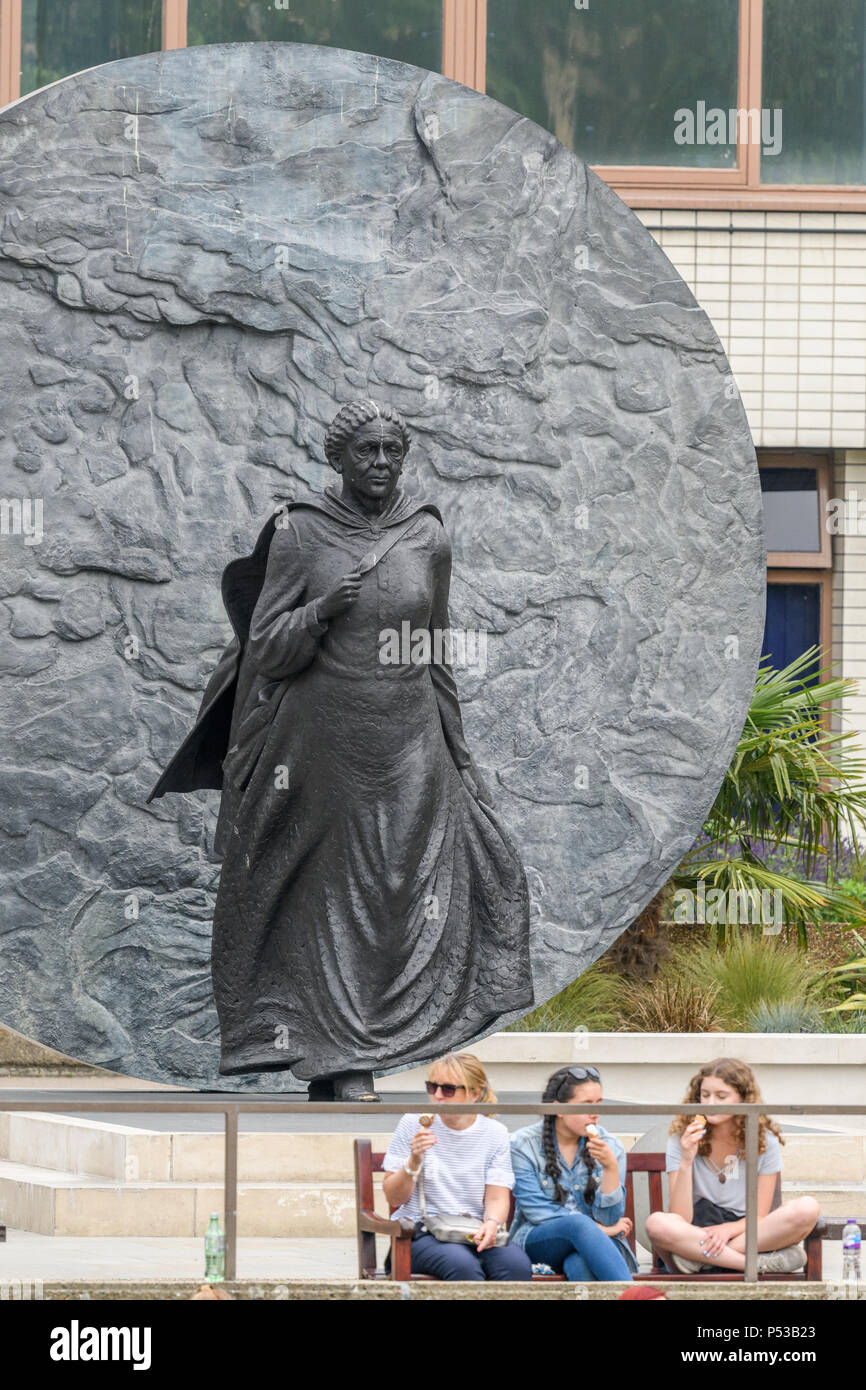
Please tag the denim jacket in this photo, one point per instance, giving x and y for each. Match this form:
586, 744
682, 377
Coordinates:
534, 1200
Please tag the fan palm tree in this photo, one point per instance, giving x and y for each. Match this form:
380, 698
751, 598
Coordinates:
795, 792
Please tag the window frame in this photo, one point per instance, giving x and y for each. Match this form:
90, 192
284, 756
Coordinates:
807, 566
821, 464
174, 22
666, 186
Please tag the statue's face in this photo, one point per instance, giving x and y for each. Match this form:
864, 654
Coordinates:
373, 459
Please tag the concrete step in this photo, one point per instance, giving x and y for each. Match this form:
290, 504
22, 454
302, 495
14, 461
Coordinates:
58, 1203
101, 1149
51, 1202
834, 1198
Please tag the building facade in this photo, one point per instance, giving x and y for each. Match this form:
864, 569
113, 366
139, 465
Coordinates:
736, 129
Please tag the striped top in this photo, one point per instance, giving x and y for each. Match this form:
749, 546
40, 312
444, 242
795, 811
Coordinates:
457, 1168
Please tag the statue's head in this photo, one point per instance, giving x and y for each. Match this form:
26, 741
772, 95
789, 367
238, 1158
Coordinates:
367, 443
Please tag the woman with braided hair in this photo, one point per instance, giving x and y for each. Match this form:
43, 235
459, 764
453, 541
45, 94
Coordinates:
372, 912
569, 1186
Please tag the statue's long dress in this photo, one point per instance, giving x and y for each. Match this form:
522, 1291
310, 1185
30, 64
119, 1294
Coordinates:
371, 913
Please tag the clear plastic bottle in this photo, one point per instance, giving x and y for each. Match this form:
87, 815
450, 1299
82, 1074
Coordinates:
851, 1251
214, 1251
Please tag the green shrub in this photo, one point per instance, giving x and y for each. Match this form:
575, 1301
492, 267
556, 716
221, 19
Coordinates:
852, 888
844, 1023
784, 1016
851, 977
753, 971
589, 1002
671, 1004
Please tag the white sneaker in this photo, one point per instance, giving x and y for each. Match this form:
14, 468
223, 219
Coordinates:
785, 1261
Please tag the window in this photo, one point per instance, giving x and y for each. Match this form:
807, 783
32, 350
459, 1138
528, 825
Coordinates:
790, 497
795, 488
609, 79
693, 103
813, 70
408, 30
59, 37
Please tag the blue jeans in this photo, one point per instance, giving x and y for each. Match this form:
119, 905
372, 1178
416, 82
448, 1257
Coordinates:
576, 1246
447, 1260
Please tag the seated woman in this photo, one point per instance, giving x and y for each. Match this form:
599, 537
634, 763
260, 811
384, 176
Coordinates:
467, 1169
705, 1227
569, 1186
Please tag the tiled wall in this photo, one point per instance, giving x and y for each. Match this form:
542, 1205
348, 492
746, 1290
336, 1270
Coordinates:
786, 292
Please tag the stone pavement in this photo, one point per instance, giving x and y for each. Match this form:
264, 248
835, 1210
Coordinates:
26, 1256
29, 1256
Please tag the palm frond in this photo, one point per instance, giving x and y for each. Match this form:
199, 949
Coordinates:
793, 787
791, 778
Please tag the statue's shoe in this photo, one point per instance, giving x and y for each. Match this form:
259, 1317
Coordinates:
355, 1085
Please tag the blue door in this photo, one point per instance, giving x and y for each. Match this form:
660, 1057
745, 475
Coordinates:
793, 621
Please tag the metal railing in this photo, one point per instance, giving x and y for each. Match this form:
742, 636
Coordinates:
231, 1108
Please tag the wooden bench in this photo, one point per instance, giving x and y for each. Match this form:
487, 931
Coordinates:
401, 1231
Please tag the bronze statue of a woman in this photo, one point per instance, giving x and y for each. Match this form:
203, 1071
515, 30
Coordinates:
372, 912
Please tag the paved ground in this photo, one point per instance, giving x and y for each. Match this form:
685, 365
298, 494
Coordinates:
26, 1256
29, 1256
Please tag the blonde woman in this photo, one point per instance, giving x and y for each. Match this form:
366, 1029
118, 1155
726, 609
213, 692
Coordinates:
467, 1169
705, 1227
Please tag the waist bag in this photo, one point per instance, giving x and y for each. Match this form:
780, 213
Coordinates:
456, 1230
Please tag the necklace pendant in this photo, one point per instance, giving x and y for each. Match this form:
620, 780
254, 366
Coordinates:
722, 1177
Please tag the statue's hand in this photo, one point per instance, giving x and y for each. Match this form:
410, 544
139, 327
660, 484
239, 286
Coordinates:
341, 598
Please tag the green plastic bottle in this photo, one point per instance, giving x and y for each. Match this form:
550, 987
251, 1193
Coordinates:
214, 1251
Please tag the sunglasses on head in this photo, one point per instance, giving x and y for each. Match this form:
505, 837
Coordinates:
448, 1089
580, 1074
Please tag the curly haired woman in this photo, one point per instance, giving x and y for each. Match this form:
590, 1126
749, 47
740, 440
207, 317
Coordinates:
705, 1227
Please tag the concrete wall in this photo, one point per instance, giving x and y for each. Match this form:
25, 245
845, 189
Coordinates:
792, 1068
